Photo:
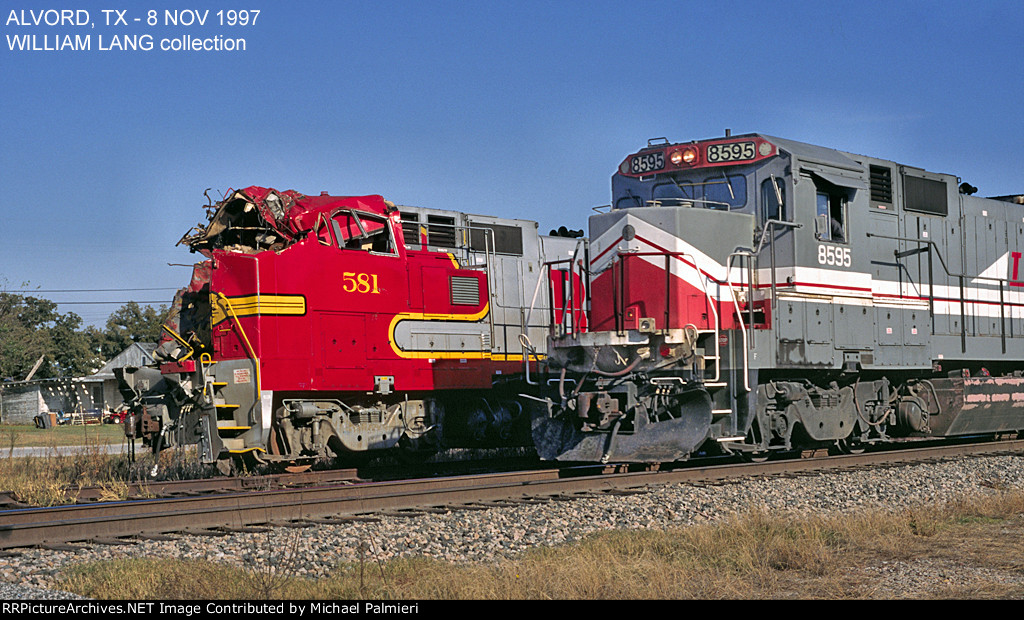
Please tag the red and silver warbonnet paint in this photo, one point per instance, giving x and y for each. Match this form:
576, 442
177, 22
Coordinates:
686, 252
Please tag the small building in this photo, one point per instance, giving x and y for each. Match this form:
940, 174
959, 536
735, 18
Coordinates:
22, 401
102, 385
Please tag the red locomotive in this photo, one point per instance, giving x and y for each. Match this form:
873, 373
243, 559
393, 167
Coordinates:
320, 326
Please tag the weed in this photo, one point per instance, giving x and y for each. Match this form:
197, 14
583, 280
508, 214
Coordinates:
55, 478
10, 439
267, 580
758, 555
372, 548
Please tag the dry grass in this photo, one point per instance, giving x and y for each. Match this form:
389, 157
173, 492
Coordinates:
55, 479
969, 549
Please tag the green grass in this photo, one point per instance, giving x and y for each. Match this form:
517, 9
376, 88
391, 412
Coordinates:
27, 435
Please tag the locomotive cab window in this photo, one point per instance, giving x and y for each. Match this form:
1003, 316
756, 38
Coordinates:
725, 192
323, 230
720, 191
830, 216
362, 231
677, 192
773, 200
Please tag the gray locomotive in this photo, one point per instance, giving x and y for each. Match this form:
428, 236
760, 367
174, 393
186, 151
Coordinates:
751, 294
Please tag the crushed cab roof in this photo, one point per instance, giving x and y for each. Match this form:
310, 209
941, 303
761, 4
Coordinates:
260, 218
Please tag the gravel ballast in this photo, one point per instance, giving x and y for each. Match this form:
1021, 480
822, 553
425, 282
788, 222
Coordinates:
487, 535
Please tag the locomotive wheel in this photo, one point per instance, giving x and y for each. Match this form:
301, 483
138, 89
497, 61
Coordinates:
409, 452
237, 464
756, 457
850, 446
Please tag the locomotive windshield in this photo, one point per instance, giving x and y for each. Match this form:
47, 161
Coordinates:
717, 174
355, 230
719, 188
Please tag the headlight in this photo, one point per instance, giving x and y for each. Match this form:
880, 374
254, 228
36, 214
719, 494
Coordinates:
686, 156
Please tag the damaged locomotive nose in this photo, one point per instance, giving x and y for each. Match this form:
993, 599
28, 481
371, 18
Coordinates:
248, 221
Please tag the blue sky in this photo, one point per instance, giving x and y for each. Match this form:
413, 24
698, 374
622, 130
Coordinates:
517, 108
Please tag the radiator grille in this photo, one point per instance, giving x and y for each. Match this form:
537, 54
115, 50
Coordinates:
441, 231
881, 184
410, 228
465, 291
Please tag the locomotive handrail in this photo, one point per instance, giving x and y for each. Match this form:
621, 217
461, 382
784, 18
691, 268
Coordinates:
939, 254
683, 202
751, 255
465, 251
772, 224
933, 247
489, 243
739, 315
568, 294
668, 274
572, 289
249, 349
176, 336
536, 291
769, 226
205, 360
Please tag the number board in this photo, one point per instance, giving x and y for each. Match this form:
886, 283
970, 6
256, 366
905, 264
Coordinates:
731, 151
647, 162
652, 162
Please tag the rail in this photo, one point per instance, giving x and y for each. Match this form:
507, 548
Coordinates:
339, 504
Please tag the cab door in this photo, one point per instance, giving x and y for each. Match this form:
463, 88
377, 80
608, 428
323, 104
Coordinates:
777, 257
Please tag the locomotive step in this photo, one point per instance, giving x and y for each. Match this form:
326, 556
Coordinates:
231, 432
233, 444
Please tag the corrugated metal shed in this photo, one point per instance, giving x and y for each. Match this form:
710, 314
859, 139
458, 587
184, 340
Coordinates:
138, 354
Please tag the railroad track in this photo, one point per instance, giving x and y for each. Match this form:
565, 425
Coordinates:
225, 484
248, 510
191, 488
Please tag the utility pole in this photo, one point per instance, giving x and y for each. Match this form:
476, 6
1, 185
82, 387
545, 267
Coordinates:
35, 368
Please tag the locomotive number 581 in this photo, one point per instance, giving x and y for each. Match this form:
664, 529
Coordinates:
353, 282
